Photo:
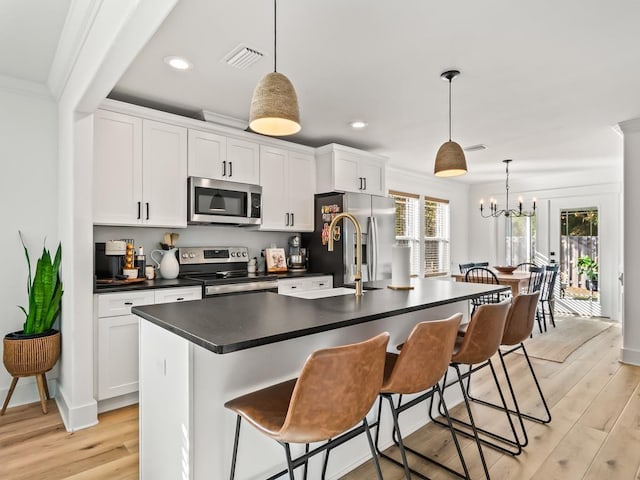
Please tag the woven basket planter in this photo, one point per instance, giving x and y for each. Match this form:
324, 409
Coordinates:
26, 355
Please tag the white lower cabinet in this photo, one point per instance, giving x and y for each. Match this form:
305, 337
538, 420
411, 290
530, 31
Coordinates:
116, 366
303, 284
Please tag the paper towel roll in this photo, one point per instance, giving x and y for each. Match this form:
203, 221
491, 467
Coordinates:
400, 265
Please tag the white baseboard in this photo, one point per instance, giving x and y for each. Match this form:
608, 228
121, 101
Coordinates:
79, 416
118, 402
630, 356
27, 391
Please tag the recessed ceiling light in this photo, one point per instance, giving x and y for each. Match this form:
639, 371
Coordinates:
358, 124
179, 63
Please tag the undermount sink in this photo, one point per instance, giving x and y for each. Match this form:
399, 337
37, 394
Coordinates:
324, 293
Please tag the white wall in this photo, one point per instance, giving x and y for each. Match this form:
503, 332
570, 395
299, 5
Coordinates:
458, 195
487, 234
28, 195
194, 236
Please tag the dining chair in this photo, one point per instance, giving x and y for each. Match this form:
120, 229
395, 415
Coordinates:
465, 266
547, 295
481, 264
482, 275
525, 266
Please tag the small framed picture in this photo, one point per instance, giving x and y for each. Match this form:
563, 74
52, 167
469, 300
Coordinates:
276, 260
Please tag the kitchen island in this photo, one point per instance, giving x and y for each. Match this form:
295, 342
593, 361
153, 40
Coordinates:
196, 355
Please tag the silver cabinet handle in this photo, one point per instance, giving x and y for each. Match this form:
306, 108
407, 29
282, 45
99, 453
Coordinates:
230, 169
365, 182
224, 168
147, 210
139, 210
292, 220
286, 219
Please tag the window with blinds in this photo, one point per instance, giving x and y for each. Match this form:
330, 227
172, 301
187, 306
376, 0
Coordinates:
436, 237
408, 225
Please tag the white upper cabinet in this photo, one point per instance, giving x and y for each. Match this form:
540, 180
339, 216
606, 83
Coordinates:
207, 155
288, 185
164, 174
223, 158
117, 168
243, 161
140, 171
350, 170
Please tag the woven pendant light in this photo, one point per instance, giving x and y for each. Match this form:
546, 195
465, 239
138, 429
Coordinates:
450, 160
274, 106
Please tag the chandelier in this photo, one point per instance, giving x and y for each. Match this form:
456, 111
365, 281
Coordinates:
507, 212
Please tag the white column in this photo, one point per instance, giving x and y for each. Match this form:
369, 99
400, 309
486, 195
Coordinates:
631, 248
100, 40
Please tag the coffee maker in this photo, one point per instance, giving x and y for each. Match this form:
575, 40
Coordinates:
297, 260
109, 259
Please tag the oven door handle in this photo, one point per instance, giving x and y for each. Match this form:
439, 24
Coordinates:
210, 290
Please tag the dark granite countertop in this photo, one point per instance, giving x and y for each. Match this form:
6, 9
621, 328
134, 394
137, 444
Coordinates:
223, 324
180, 282
158, 283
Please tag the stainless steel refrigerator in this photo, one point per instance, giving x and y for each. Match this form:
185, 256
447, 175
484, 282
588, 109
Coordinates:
376, 216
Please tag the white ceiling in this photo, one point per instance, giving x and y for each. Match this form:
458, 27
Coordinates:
29, 32
542, 82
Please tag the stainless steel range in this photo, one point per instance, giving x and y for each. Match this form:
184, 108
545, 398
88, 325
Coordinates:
223, 270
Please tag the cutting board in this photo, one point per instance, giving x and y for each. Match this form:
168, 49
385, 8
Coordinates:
113, 281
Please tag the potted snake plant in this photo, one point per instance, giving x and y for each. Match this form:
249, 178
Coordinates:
35, 349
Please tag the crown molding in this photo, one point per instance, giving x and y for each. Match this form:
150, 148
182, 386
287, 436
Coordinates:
24, 87
630, 126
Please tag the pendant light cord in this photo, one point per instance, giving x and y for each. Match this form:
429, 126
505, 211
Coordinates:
275, 36
450, 108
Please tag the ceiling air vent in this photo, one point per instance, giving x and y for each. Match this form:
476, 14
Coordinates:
242, 57
475, 148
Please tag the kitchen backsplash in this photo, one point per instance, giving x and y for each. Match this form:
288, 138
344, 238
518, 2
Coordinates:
195, 235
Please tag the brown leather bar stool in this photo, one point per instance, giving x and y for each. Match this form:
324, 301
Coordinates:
335, 390
423, 360
520, 322
479, 343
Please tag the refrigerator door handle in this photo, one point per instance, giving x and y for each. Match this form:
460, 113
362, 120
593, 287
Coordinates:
372, 249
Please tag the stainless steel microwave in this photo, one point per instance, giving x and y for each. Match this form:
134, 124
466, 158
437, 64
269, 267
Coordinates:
219, 201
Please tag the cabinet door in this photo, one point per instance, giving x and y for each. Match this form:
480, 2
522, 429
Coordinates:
164, 186
273, 178
346, 172
117, 356
206, 153
374, 177
301, 182
243, 161
117, 169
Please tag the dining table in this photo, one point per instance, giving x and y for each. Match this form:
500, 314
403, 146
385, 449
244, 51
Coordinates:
518, 281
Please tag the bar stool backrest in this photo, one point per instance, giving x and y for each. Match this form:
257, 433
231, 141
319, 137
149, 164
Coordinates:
424, 357
335, 390
484, 334
521, 318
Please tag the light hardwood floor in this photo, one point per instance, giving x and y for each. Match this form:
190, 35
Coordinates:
594, 435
